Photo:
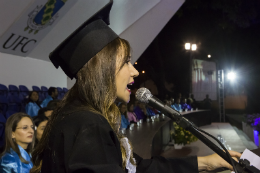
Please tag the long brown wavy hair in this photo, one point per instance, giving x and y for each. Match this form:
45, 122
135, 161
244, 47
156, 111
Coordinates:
95, 88
10, 126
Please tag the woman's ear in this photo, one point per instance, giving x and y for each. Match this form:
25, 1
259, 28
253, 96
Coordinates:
13, 135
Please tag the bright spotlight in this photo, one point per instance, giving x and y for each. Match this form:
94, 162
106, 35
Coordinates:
135, 62
193, 47
187, 46
209, 56
143, 71
231, 75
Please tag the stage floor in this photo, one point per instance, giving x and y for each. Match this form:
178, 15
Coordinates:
198, 148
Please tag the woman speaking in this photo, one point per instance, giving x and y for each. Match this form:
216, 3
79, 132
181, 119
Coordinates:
82, 135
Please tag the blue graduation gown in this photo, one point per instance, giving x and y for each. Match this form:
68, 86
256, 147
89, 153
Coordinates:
11, 163
46, 101
150, 112
185, 106
32, 109
177, 107
139, 113
124, 122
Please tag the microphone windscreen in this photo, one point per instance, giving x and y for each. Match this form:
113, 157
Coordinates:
143, 95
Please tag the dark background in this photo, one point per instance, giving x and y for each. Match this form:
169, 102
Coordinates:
228, 30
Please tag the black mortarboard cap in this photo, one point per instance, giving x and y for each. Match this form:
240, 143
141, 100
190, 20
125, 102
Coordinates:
84, 43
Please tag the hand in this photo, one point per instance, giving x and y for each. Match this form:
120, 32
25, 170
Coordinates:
214, 161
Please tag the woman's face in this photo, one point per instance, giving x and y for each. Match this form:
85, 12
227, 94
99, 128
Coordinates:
125, 76
34, 97
123, 109
40, 129
23, 133
48, 113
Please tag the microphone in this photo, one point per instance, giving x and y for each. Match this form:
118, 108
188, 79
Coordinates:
144, 95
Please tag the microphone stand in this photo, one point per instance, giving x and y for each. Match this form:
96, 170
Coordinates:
243, 165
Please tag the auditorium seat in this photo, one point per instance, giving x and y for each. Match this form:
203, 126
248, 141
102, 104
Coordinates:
9, 113
23, 95
14, 90
14, 102
60, 91
2, 130
3, 90
23, 89
2, 118
3, 104
35, 88
44, 91
65, 90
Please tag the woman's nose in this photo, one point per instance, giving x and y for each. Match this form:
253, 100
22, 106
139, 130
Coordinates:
31, 130
134, 72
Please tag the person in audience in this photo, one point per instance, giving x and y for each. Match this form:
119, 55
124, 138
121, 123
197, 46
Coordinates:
184, 105
140, 111
172, 103
40, 124
136, 104
194, 104
124, 120
207, 102
47, 112
19, 143
53, 104
167, 102
33, 104
177, 105
132, 118
52, 95
149, 111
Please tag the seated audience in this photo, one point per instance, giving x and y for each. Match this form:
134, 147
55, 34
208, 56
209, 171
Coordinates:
124, 121
194, 104
47, 112
177, 105
52, 95
168, 102
33, 104
207, 102
19, 142
40, 124
140, 111
172, 100
131, 114
136, 103
53, 104
172, 104
189, 102
184, 105
149, 111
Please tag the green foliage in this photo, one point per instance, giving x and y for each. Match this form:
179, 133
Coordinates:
181, 136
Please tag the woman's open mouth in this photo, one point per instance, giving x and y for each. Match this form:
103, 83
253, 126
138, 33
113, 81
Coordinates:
129, 86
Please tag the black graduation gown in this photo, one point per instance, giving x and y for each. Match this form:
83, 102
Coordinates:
82, 141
